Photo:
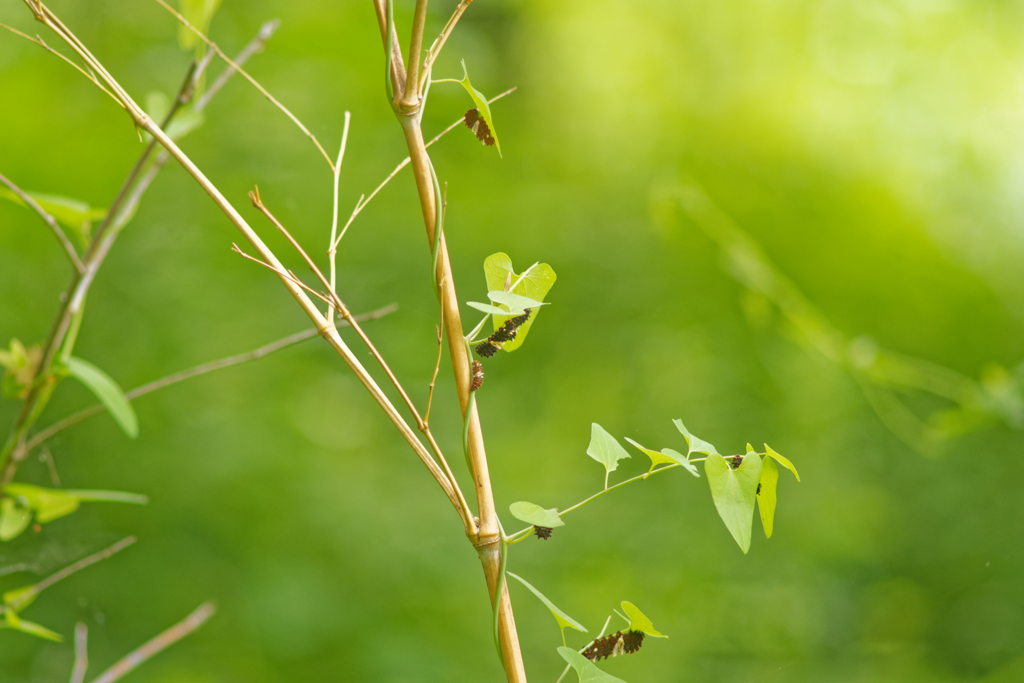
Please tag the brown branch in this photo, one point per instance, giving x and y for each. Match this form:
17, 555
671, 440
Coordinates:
435, 49
49, 220
412, 98
157, 644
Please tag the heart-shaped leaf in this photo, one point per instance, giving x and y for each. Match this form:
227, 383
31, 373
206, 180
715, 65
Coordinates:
695, 445
605, 449
536, 515
666, 456
782, 461
734, 493
586, 669
561, 617
108, 392
766, 494
639, 622
534, 284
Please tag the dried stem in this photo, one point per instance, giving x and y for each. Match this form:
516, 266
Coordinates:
157, 644
49, 220
220, 364
252, 80
435, 49
412, 96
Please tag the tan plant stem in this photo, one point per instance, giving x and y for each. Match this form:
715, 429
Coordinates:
412, 96
435, 49
220, 364
49, 220
157, 644
397, 64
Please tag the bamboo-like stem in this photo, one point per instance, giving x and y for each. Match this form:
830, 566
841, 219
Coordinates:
183, 375
157, 644
49, 220
361, 204
412, 96
397, 63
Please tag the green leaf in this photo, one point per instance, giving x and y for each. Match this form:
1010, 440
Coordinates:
514, 302
13, 518
49, 504
12, 620
481, 104
20, 598
639, 622
561, 617
98, 496
199, 13
605, 449
493, 310
695, 445
587, 670
535, 284
734, 492
782, 461
766, 494
72, 213
667, 456
536, 515
107, 391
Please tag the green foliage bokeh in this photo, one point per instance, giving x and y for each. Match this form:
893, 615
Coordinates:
871, 148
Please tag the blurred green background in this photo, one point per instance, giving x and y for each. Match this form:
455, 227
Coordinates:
874, 150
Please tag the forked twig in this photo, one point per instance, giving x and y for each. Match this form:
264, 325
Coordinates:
331, 251
360, 205
49, 220
203, 369
157, 644
435, 48
252, 80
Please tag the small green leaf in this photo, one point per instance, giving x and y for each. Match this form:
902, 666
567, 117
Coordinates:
639, 622
586, 669
12, 620
72, 213
695, 445
107, 391
605, 449
535, 284
561, 617
48, 504
20, 598
734, 492
98, 496
766, 494
782, 461
667, 456
514, 302
750, 449
13, 518
481, 104
536, 515
493, 310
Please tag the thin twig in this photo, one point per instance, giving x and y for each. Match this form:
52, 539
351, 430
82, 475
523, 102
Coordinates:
331, 251
360, 205
81, 653
51, 466
252, 80
39, 41
255, 45
287, 274
49, 220
157, 644
183, 375
435, 48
